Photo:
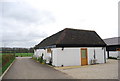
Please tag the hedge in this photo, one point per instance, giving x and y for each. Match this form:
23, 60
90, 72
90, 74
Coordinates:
7, 59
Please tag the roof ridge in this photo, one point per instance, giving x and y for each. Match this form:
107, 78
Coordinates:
77, 29
111, 38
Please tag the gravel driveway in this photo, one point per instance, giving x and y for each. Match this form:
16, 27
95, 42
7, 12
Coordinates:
108, 70
27, 68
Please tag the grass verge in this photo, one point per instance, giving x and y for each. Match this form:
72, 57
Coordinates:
7, 65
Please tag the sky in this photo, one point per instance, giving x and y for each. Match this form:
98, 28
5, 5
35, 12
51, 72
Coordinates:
25, 23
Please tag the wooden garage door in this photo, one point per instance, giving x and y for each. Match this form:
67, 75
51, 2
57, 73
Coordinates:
84, 59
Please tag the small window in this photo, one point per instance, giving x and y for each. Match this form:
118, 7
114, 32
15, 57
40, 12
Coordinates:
83, 53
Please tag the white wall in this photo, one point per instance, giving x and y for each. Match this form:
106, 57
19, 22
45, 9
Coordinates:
90, 54
54, 57
39, 52
46, 56
36, 53
100, 55
113, 54
71, 56
67, 57
106, 55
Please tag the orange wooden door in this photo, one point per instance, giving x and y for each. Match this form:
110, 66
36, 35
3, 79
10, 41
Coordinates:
84, 58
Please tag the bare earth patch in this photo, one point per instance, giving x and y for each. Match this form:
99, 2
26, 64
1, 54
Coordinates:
108, 70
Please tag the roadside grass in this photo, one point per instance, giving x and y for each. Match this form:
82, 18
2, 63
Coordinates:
6, 60
7, 65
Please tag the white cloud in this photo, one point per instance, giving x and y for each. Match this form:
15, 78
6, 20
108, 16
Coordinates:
98, 15
21, 12
37, 19
19, 22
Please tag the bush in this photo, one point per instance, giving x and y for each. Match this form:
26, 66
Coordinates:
41, 59
35, 58
44, 62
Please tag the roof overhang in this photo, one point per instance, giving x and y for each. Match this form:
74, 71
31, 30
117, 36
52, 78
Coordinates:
79, 45
70, 45
51, 46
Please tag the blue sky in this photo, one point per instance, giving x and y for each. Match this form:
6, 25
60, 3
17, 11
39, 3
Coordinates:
25, 23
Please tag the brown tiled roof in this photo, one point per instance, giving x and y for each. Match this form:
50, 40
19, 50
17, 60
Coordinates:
73, 38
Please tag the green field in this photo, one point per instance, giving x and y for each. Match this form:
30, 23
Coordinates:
23, 54
20, 54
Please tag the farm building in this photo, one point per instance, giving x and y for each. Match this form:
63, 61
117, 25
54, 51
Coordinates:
113, 47
72, 47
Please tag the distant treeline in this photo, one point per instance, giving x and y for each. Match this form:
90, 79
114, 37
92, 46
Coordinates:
16, 50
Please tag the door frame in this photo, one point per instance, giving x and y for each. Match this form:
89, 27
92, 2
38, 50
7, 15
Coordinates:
86, 55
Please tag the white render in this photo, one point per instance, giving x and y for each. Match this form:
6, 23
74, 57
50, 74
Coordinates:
113, 54
66, 57
71, 56
106, 55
